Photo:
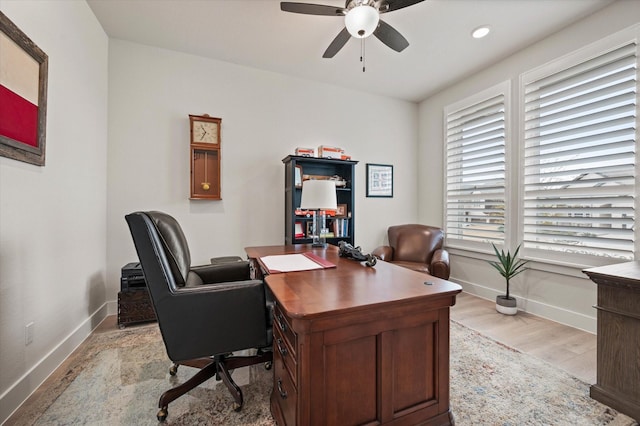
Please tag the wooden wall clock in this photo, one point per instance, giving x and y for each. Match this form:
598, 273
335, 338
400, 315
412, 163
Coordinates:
205, 157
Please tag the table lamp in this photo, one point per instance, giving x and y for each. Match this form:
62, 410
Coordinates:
319, 195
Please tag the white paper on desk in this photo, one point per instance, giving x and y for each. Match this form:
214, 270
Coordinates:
289, 263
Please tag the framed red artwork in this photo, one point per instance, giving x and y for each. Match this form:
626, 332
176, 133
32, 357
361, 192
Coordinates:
23, 95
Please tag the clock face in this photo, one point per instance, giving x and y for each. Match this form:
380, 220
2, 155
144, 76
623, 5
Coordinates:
205, 131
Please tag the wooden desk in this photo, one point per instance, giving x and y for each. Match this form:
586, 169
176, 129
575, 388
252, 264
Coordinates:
618, 358
355, 345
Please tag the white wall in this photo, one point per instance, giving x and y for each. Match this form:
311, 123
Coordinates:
265, 116
53, 218
558, 293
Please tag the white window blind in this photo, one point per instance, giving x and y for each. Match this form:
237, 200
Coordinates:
579, 157
475, 171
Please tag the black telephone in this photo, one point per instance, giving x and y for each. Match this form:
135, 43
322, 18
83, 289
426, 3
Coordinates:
355, 253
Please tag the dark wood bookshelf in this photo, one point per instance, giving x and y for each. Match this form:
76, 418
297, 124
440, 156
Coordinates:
343, 171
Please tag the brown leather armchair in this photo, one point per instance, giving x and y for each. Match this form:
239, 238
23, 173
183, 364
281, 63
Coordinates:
204, 312
417, 247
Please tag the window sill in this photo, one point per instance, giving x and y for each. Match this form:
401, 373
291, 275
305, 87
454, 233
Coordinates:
562, 268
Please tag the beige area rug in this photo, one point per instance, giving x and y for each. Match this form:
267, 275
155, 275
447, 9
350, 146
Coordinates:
120, 374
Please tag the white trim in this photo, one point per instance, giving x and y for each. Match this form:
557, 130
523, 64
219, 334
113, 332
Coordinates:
545, 265
554, 313
22, 389
112, 308
588, 52
502, 88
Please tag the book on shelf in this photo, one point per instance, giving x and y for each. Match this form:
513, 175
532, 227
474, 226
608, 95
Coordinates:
341, 227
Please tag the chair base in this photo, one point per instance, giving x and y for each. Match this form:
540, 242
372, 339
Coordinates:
219, 366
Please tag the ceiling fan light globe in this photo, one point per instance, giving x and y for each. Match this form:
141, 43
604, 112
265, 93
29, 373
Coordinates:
362, 21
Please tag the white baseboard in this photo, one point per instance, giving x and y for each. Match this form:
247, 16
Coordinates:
554, 313
112, 308
18, 393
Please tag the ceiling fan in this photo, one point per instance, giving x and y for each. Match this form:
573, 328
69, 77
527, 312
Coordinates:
361, 18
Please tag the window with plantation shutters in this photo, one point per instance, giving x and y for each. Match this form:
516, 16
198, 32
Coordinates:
475, 170
579, 157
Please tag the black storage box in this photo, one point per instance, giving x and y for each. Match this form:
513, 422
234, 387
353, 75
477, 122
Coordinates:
134, 303
134, 307
132, 277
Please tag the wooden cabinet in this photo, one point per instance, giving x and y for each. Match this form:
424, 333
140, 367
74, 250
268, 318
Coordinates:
618, 353
355, 345
362, 369
297, 226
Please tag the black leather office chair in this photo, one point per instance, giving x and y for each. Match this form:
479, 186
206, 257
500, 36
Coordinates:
204, 313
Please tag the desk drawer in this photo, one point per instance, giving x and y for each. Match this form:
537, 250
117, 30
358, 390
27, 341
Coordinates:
281, 323
285, 393
282, 352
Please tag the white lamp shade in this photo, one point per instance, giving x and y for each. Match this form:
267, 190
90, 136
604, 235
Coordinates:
318, 195
362, 21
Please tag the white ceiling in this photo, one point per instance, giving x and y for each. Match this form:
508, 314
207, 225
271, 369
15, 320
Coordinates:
257, 34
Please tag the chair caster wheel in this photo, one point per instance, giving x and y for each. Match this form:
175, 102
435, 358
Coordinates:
173, 370
162, 414
268, 365
237, 407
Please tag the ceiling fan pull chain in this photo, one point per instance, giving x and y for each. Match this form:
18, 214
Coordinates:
361, 49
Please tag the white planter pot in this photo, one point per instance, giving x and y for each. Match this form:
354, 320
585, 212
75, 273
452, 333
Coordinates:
506, 306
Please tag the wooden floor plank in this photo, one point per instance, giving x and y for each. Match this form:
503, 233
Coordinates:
565, 347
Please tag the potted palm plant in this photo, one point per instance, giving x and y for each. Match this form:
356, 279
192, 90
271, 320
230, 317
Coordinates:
509, 266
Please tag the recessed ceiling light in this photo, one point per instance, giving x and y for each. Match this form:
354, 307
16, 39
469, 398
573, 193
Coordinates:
480, 31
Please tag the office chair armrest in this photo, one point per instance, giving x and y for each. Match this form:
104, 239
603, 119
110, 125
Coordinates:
383, 253
214, 288
440, 264
223, 272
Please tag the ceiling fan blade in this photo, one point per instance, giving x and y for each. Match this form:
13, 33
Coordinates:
391, 5
312, 9
338, 43
390, 36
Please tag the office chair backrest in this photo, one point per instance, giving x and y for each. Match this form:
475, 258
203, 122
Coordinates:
174, 243
415, 243
158, 274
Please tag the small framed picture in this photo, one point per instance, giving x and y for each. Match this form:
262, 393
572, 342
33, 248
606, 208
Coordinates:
341, 211
379, 180
309, 229
298, 177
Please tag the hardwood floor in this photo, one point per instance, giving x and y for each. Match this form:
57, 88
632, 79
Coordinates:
565, 347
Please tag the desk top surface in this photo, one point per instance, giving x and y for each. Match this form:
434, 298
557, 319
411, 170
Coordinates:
349, 286
626, 272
